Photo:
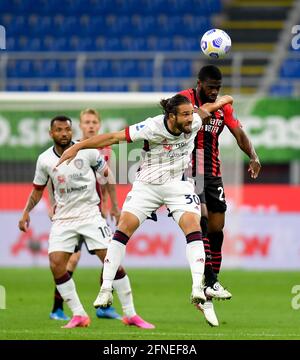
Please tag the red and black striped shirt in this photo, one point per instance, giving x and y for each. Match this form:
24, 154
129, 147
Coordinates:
207, 138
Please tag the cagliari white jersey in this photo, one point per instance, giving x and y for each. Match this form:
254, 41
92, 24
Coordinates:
74, 184
166, 155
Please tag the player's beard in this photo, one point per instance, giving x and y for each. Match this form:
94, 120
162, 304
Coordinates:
204, 98
184, 129
64, 145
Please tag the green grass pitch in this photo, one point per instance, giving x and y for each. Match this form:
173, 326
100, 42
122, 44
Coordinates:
260, 308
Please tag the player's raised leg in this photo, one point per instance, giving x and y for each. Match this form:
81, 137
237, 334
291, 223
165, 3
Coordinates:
190, 224
114, 275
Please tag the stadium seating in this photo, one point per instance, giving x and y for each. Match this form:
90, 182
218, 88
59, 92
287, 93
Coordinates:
102, 27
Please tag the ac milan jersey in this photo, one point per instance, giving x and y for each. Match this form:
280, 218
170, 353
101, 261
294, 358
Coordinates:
73, 184
166, 155
207, 138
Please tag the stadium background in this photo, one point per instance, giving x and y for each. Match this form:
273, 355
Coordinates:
125, 54
121, 57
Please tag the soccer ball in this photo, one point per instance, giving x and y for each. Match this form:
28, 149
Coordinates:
215, 43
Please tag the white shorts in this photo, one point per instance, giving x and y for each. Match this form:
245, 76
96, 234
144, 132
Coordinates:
64, 235
178, 196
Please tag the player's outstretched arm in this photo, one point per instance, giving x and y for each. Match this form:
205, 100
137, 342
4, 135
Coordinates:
33, 199
218, 104
247, 147
94, 142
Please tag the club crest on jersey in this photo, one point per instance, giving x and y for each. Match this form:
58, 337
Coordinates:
61, 179
78, 163
220, 111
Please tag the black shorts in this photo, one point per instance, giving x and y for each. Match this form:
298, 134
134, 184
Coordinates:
78, 247
214, 195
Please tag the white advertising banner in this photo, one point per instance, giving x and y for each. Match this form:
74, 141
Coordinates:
262, 240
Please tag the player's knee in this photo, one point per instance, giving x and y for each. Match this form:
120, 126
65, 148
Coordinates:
128, 223
58, 269
189, 222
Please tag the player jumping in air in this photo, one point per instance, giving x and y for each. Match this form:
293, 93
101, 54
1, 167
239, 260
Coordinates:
168, 144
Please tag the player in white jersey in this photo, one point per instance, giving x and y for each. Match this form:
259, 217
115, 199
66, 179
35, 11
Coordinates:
169, 144
76, 214
89, 123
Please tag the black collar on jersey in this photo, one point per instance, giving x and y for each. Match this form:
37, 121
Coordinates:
55, 152
166, 126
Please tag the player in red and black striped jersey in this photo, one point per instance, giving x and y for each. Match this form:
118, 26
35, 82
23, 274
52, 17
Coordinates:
213, 214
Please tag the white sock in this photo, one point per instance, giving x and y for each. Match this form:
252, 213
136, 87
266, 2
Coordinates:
196, 256
68, 292
113, 259
123, 288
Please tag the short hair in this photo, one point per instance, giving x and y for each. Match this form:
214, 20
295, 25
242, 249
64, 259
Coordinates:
91, 112
60, 118
170, 105
209, 72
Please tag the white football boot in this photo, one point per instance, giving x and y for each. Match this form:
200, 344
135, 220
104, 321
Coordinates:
198, 295
217, 292
209, 312
104, 298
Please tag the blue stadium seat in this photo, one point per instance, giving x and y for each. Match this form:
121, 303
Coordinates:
146, 88
106, 25
100, 68
29, 87
290, 69
281, 90
20, 69
174, 88
177, 68
67, 87
155, 43
129, 43
181, 43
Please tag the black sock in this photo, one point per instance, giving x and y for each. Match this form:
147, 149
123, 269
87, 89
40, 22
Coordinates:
216, 241
210, 276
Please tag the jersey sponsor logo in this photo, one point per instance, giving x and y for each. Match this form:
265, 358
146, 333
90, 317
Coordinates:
80, 188
75, 176
139, 127
78, 163
170, 147
213, 126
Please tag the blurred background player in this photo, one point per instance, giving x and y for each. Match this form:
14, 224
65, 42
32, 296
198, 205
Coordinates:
159, 181
90, 124
76, 215
213, 202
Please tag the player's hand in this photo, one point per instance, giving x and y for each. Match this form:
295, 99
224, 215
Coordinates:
115, 213
24, 222
204, 114
254, 168
104, 212
69, 154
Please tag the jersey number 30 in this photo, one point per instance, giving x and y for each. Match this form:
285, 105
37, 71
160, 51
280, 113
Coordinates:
192, 198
